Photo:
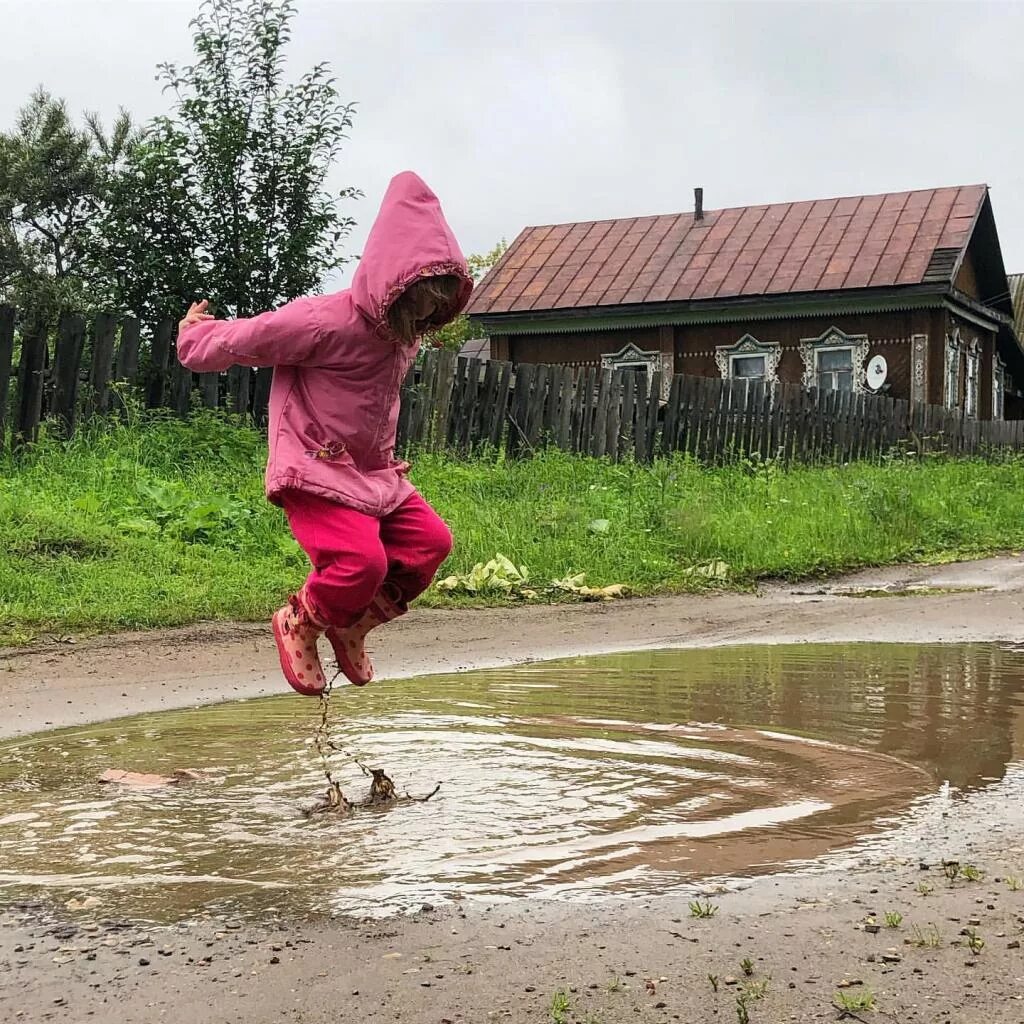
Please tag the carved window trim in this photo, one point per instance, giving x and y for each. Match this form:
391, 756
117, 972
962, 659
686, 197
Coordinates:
834, 340
951, 370
630, 356
919, 368
972, 380
748, 345
998, 389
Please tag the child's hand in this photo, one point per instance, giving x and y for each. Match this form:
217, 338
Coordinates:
196, 315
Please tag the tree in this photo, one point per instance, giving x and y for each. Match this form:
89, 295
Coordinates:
54, 178
245, 156
454, 335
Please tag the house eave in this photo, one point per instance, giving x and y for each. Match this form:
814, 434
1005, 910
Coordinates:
607, 318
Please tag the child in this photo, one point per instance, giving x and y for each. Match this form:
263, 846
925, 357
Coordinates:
339, 361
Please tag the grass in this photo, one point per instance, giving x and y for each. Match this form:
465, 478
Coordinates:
854, 1002
559, 1009
703, 911
893, 919
155, 522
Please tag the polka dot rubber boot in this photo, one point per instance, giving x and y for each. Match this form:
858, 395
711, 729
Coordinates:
296, 632
349, 643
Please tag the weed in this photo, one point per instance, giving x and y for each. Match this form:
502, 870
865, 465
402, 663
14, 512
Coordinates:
951, 869
713, 978
615, 985
742, 1013
747, 966
975, 943
1014, 884
559, 1008
893, 919
703, 910
924, 889
848, 1003
754, 990
929, 938
971, 874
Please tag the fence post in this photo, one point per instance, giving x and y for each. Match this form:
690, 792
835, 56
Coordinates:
103, 331
6, 359
126, 366
160, 352
67, 363
30, 384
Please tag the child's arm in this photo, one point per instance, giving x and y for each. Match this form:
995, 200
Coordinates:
288, 336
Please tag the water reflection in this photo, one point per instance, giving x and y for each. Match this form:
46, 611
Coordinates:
619, 775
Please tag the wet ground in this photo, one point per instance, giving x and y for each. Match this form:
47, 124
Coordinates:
880, 763
628, 775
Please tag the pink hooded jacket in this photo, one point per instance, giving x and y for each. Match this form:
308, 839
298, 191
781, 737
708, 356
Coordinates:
334, 401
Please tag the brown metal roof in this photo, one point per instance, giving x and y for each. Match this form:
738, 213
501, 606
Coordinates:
902, 238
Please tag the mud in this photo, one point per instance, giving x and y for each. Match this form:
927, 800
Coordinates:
813, 934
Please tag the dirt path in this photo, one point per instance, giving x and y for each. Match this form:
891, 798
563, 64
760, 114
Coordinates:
59, 684
645, 961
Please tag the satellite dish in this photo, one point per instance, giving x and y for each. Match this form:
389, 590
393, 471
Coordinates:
878, 370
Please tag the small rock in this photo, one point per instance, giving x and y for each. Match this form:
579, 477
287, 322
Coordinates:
974, 922
850, 982
275, 959
1013, 945
660, 1006
892, 958
872, 929
143, 962
730, 981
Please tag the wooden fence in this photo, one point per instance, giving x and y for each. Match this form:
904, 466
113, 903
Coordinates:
67, 371
464, 405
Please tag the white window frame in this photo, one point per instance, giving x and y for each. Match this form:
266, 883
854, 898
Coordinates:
745, 348
951, 366
629, 357
835, 340
972, 379
998, 388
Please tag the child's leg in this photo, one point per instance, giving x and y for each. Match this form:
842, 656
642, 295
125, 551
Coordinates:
416, 542
348, 568
348, 557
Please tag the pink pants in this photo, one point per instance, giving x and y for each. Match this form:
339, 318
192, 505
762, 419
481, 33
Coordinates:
354, 554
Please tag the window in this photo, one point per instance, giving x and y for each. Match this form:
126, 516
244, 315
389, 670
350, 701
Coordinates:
951, 390
998, 389
632, 358
973, 380
749, 359
834, 361
835, 369
748, 367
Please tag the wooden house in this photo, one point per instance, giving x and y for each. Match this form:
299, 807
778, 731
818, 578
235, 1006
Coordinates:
803, 292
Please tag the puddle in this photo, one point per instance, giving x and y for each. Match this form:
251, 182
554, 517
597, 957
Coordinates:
581, 779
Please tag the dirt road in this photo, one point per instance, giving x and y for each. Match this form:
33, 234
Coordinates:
647, 961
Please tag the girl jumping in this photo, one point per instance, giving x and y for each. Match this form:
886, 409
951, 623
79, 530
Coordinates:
339, 361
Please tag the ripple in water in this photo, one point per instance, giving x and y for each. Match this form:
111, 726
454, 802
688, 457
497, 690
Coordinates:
592, 778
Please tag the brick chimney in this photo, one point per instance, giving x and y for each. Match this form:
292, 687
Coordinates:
698, 204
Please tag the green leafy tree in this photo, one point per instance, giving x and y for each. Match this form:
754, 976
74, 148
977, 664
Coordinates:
454, 335
245, 156
54, 181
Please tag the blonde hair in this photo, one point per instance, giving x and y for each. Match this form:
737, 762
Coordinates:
444, 289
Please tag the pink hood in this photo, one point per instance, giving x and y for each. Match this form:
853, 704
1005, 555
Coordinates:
338, 368
410, 238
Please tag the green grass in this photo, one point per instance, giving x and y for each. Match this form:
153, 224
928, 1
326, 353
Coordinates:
162, 523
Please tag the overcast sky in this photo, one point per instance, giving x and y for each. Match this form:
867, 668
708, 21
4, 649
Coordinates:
523, 114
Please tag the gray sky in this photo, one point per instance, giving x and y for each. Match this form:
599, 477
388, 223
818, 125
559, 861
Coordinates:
531, 113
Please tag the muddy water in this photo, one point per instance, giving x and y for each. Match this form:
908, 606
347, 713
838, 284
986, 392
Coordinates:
591, 778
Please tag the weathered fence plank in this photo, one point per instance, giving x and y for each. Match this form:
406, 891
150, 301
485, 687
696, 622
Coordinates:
159, 358
31, 368
7, 317
67, 361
